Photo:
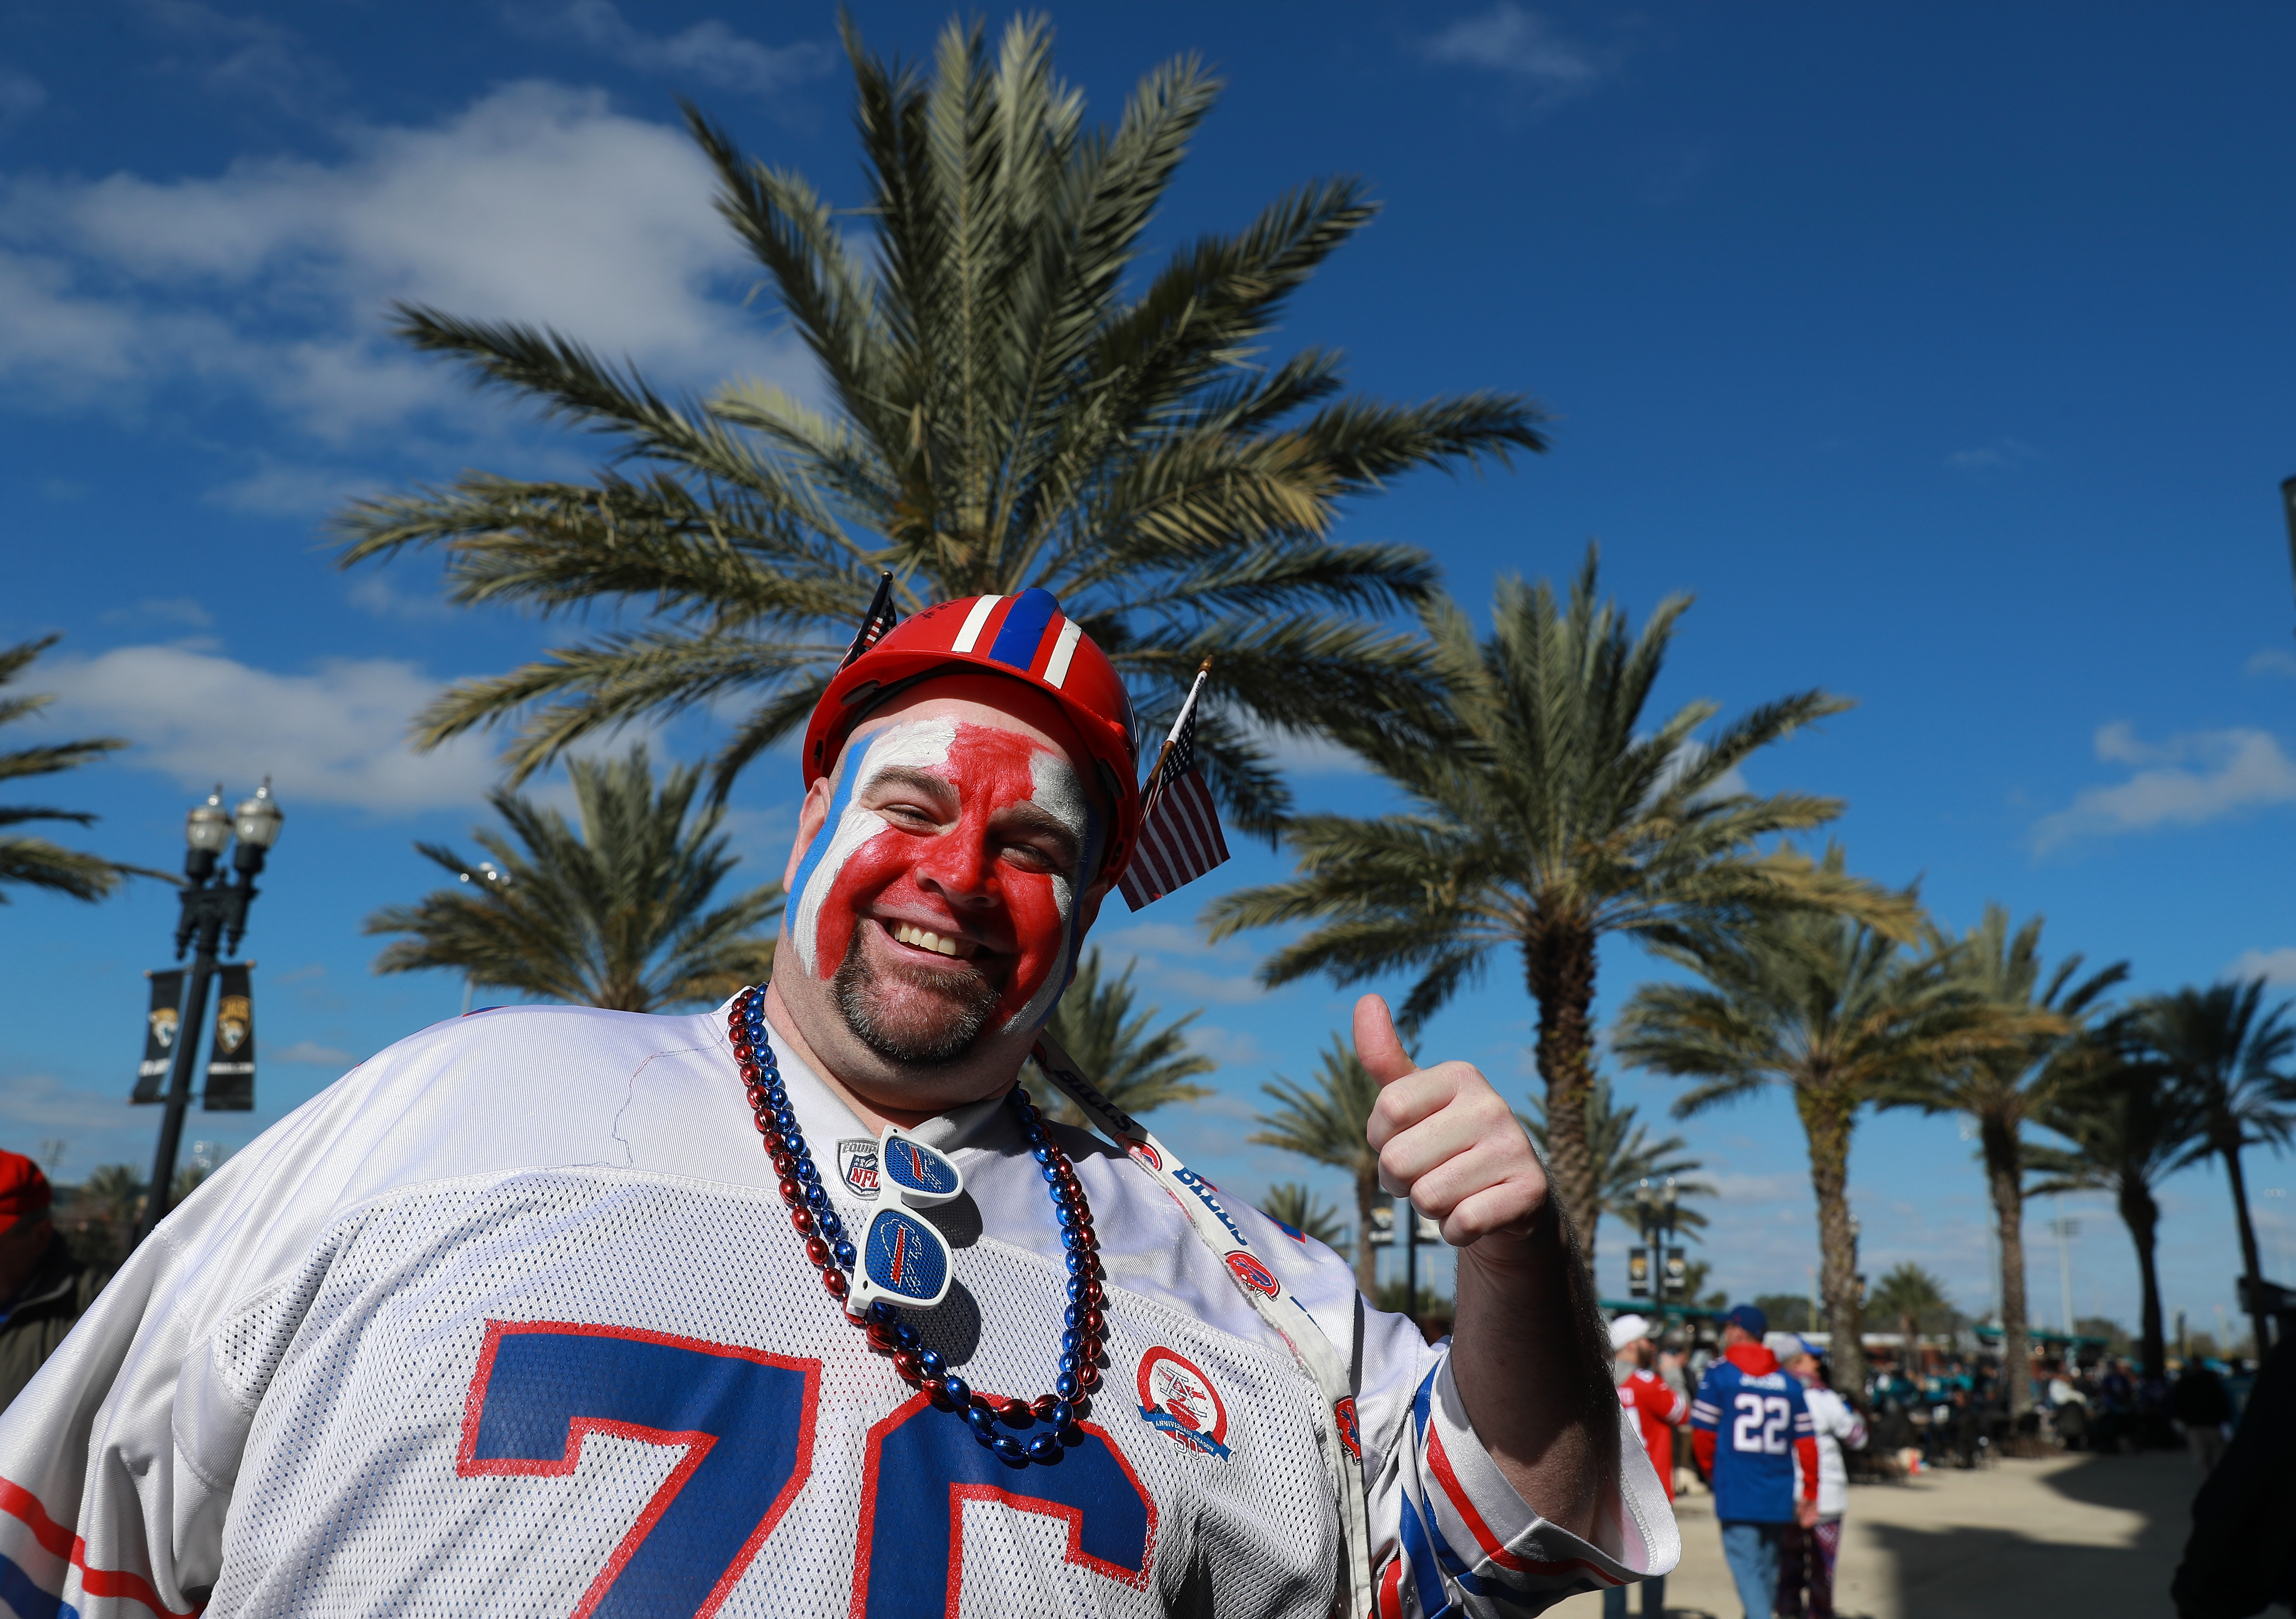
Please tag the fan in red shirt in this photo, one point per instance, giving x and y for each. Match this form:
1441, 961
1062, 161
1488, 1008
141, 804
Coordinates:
1658, 1411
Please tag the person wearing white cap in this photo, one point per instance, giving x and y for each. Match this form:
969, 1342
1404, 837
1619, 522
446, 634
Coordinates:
1806, 1563
1658, 1411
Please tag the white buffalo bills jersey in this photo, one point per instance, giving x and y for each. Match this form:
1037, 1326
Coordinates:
511, 1320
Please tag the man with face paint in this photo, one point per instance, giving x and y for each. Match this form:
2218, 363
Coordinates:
800, 1306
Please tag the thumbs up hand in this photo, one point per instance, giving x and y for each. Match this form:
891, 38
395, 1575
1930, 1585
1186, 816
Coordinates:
1447, 1140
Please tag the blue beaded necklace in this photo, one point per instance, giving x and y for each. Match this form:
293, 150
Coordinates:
830, 1251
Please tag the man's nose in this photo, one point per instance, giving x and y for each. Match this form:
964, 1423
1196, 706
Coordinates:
957, 866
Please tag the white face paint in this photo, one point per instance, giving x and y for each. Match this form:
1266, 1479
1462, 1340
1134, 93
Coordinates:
914, 744
1057, 790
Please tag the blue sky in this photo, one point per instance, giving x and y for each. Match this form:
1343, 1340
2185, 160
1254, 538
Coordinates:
1940, 351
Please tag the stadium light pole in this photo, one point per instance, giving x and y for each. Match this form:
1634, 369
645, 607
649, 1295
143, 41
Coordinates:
214, 914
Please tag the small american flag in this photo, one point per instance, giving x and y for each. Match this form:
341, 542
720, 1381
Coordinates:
881, 618
1180, 832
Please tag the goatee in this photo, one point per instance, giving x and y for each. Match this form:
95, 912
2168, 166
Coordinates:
929, 1031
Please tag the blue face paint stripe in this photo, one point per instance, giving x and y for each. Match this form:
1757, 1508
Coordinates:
840, 800
1023, 628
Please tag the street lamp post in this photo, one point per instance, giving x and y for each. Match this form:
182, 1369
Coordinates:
214, 917
1655, 1207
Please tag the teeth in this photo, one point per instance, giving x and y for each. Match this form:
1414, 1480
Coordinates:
908, 933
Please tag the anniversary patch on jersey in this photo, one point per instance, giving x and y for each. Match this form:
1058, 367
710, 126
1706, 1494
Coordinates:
857, 1165
1179, 1401
1253, 1274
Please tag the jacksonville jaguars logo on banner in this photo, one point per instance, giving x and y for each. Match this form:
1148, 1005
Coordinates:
1179, 1401
857, 1165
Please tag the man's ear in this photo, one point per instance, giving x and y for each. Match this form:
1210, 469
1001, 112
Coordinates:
812, 815
1088, 909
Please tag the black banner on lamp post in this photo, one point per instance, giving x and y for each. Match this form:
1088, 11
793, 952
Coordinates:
163, 1025
231, 1058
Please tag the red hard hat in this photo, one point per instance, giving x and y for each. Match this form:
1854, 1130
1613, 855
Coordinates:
1026, 637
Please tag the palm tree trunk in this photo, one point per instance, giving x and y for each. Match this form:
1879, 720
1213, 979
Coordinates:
2005, 1175
2142, 1216
1827, 1119
1367, 1196
1559, 963
2251, 1265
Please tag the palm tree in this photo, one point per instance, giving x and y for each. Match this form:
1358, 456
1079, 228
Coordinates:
2033, 1051
1550, 814
2232, 1066
116, 1191
1826, 1007
610, 915
2129, 1122
1625, 1156
1136, 1066
1005, 408
35, 861
1297, 1206
1908, 1295
1326, 1124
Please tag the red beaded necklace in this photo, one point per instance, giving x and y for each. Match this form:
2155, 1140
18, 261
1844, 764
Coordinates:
828, 1250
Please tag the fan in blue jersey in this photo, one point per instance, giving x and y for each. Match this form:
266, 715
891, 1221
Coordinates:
1748, 1424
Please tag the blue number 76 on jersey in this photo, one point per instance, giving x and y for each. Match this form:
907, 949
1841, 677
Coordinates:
744, 1418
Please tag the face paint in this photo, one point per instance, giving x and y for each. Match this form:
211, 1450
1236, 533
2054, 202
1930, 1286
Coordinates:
957, 875
923, 744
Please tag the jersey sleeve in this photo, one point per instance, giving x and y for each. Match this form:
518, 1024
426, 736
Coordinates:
1706, 1405
117, 1462
1448, 1532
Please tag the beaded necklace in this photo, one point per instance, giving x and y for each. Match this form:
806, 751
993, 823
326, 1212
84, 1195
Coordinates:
830, 1251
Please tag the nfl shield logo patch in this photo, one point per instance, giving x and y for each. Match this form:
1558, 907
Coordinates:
857, 1165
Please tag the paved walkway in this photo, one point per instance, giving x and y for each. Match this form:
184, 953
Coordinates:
2096, 1536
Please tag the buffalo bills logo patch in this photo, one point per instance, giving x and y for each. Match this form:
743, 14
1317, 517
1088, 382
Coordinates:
857, 1165
1253, 1274
1146, 1155
1343, 1413
1178, 1401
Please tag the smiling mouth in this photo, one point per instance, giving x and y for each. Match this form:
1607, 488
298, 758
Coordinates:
924, 938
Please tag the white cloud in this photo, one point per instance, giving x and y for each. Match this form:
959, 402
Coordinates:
21, 96
708, 53
170, 610
311, 1053
2195, 776
536, 203
2272, 660
1174, 961
276, 489
2000, 453
42, 1100
1229, 1048
1520, 44
2279, 966
337, 735
242, 56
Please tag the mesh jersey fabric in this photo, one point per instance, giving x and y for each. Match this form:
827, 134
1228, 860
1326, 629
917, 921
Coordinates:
1756, 1421
510, 1320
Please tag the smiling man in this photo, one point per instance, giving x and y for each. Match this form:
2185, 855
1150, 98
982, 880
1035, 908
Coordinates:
801, 1306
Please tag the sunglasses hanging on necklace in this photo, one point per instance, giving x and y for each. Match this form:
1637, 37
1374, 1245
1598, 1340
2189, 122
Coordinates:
902, 1260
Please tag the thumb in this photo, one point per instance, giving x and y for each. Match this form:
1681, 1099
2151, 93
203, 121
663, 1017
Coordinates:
1378, 1047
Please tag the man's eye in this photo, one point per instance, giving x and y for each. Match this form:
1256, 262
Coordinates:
1029, 857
